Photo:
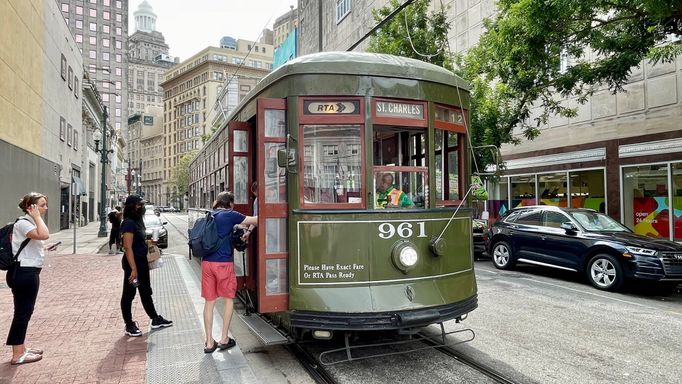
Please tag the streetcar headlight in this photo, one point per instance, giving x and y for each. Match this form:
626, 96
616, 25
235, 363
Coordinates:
408, 256
404, 255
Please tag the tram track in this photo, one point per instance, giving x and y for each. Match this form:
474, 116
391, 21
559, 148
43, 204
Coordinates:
466, 360
315, 369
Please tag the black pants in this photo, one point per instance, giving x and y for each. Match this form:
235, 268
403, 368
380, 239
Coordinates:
145, 289
24, 282
115, 237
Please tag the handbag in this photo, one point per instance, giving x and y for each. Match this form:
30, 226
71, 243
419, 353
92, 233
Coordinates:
153, 253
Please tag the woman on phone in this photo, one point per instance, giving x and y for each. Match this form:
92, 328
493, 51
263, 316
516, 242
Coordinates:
23, 277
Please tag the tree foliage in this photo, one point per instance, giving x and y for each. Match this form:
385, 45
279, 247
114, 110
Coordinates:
413, 33
180, 176
536, 53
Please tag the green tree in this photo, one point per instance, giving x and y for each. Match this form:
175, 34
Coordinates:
413, 33
539, 53
180, 176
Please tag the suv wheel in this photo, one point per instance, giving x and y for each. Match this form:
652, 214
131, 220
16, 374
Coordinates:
604, 272
502, 255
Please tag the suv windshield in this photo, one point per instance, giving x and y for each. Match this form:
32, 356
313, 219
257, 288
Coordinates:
597, 222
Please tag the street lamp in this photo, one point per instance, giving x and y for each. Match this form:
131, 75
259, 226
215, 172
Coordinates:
97, 136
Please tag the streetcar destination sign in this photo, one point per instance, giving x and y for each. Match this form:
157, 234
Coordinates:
400, 110
331, 107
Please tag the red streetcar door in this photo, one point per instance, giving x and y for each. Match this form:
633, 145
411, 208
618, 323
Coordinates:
273, 258
239, 179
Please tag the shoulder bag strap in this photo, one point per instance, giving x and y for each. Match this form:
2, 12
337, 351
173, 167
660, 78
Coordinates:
23, 243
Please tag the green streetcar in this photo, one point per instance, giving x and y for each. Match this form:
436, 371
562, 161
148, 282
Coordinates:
361, 163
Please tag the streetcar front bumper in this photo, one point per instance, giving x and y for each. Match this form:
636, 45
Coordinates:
393, 320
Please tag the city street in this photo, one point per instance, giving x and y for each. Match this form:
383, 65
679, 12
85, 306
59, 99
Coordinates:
538, 325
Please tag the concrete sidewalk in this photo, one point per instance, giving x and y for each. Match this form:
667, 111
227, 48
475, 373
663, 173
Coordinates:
77, 321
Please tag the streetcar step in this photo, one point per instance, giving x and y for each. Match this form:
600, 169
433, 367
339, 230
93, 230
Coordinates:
267, 334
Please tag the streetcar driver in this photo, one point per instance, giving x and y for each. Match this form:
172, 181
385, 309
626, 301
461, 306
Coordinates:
388, 196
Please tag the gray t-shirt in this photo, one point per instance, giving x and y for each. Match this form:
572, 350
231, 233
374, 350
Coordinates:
33, 254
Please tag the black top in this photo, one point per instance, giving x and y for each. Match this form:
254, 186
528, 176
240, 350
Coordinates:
138, 231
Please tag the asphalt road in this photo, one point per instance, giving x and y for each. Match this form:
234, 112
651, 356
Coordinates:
534, 325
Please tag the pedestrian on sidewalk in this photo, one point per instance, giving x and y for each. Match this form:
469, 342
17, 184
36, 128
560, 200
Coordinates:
136, 267
23, 277
115, 217
217, 271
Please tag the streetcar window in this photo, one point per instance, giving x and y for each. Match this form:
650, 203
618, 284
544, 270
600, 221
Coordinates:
332, 164
447, 165
400, 167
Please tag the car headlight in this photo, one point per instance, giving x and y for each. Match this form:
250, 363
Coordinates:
404, 255
641, 251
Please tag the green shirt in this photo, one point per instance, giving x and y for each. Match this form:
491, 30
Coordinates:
396, 197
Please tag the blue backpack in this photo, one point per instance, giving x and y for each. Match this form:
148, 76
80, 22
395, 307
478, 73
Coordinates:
203, 238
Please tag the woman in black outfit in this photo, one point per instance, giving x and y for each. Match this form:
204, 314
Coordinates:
136, 268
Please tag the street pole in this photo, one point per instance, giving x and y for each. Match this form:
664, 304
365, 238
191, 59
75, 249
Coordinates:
104, 152
139, 179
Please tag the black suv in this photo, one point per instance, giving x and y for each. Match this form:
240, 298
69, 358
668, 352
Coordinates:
584, 241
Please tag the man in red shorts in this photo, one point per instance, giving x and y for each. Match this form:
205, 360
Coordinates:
217, 271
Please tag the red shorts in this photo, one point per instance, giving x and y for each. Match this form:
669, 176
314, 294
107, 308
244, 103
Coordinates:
218, 280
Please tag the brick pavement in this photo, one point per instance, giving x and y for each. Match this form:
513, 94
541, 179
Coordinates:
77, 322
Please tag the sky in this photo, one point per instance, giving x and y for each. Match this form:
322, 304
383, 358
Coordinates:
192, 25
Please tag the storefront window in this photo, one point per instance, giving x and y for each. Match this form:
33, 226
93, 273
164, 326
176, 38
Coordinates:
332, 164
677, 201
587, 190
499, 198
523, 191
645, 200
552, 189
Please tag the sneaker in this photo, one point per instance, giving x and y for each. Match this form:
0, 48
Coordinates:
132, 330
160, 322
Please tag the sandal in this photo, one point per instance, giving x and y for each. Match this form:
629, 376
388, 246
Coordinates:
34, 351
230, 343
26, 358
212, 349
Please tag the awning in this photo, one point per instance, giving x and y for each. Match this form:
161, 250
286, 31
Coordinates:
77, 187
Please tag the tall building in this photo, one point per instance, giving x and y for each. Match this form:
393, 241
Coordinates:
200, 92
100, 28
283, 26
148, 60
42, 139
620, 154
146, 156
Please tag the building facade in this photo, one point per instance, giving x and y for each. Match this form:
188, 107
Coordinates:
198, 94
145, 153
148, 60
42, 139
619, 155
283, 26
100, 28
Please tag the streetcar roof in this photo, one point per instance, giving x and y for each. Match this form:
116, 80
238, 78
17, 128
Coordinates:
375, 64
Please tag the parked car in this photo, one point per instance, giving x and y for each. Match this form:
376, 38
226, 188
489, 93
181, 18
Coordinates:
152, 222
584, 241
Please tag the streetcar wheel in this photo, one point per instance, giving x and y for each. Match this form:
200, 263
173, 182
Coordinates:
502, 255
604, 272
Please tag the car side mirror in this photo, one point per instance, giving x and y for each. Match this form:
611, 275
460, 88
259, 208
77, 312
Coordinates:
164, 223
568, 226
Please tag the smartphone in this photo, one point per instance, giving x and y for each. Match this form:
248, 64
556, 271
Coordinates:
53, 246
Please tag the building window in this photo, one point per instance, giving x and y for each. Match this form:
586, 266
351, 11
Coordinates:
105, 42
118, 4
105, 56
106, 3
119, 18
118, 58
645, 200
76, 87
69, 134
65, 7
79, 10
93, 40
105, 28
118, 71
342, 9
92, 54
93, 27
69, 78
105, 15
118, 44
75, 140
63, 67
79, 24
118, 31
79, 38
93, 13
62, 128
